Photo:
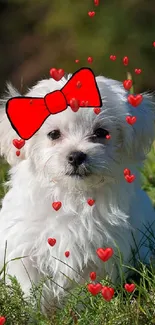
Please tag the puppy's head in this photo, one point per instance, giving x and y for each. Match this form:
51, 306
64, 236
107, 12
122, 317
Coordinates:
75, 148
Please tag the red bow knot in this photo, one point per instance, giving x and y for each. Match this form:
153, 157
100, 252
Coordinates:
55, 102
27, 114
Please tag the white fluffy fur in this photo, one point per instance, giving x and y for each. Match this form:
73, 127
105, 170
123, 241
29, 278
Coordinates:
37, 178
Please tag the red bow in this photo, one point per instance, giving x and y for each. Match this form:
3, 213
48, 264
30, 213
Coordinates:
27, 114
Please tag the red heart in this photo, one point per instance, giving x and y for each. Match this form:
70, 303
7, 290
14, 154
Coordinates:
91, 13
125, 60
78, 84
74, 104
94, 288
138, 71
108, 136
90, 202
130, 178
90, 59
135, 100
96, 2
127, 84
153, 44
113, 57
18, 143
56, 205
129, 287
127, 172
131, 119
93, 276
17, 153
105, 254
2, 320
67, 253
57, 74
51, 241
97, 110
107, 293
84, 103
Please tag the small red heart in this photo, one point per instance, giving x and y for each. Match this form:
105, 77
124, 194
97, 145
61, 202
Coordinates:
127, 172
51, 241
78, 84
2, 320
107, 293
18, 143
74, 104
91, 13
90, 202
138, 71
129, 287
127, 84
125, 60
67, 253
57, 74
17, 153
135, 100
90, 59
96, 2
105, 254
56, 205
92, 276
97, 110
131, 119
130, 178
153, 44
108, 136
77, 61
84, 103
113, 57
94, 289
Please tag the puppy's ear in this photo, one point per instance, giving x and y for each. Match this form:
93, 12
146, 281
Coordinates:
140, 136
135, 140
7, 133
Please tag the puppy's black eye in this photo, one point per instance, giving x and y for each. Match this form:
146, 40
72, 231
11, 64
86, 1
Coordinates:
101, 133
55, 134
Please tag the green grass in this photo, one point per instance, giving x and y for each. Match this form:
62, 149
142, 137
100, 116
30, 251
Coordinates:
3, 177
81, 307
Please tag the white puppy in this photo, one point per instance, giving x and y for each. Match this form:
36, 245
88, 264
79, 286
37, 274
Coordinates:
70, 160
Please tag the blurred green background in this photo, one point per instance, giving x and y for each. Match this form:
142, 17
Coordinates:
36, 35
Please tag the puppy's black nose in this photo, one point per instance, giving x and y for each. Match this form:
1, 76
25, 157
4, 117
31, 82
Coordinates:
76, 158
